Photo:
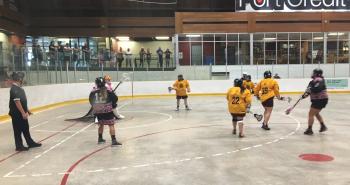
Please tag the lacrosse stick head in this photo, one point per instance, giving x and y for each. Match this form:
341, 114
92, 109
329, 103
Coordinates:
258, 117
125, 77
288, 111
169, 89
289, 99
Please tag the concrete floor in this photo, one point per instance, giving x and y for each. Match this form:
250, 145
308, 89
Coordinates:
161, 146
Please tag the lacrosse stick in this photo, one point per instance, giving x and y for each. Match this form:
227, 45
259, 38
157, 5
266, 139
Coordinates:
89, 113
170, 89
289, 110
288, 99
258, 117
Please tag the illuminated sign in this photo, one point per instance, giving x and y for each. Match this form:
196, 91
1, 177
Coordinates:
292, 5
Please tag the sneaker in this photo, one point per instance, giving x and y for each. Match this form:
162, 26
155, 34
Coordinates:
120, 116
34, 145
115, 143
265, 127
177, 109
241, 136
234, 132
188, 108
323, 128
101, 141
22, 148
309, 132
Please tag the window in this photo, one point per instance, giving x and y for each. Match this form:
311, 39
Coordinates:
332, 47
343, 49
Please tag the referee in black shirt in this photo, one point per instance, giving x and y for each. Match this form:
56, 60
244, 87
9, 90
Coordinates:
19, 113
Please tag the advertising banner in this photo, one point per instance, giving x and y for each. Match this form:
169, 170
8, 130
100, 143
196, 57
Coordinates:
292, 5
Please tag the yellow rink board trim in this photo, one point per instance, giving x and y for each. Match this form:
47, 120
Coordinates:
5, 118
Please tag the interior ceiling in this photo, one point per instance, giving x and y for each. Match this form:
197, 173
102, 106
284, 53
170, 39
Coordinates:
121, 8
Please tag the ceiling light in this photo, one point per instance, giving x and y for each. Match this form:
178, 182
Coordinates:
318, 38
335, 34
266, 38
123, 38
193, 36
162, 38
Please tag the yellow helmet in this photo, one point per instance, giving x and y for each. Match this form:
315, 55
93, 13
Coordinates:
107, 78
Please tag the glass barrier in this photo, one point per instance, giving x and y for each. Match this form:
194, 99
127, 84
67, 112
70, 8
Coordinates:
76, 66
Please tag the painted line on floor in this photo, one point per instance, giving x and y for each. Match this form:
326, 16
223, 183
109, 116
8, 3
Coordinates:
169, 117
70, 171
65, 178
51, 148
42, 140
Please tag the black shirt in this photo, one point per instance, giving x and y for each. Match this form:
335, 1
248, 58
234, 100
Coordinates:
17, 93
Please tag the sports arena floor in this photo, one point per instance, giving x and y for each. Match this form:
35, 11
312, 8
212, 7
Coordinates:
161, 146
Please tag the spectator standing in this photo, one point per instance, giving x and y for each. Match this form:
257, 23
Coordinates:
86, 54
52, 53
35, 52
76, 55
120, 57
167, 58
60, 52
128, 56
160, 57
148, 57
67, 53
142, 57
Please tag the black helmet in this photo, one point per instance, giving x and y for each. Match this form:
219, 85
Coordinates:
100, 82
17, 76
317, 73
180, 77
267, 74
249, 78
238, 82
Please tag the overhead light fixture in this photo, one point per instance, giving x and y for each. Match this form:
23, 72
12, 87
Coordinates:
318, 38
162, 38
335, 34
123, 38
193, 36
266, 38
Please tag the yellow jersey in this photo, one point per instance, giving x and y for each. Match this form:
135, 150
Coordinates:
238, 101
181, 87
266, 89
248, 85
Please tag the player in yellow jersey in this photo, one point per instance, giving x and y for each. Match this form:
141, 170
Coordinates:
238, 101
182, 87
248, 84
266, 90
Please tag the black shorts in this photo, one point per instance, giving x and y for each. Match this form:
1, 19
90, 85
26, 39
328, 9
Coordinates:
181, 97
268, 102
319, 104
237, 117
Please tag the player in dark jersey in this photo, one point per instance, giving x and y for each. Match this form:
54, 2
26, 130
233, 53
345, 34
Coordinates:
317, 91
103, 102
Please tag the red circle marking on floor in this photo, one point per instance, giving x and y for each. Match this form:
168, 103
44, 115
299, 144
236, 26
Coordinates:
316, 157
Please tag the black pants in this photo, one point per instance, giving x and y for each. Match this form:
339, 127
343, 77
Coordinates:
20, 126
